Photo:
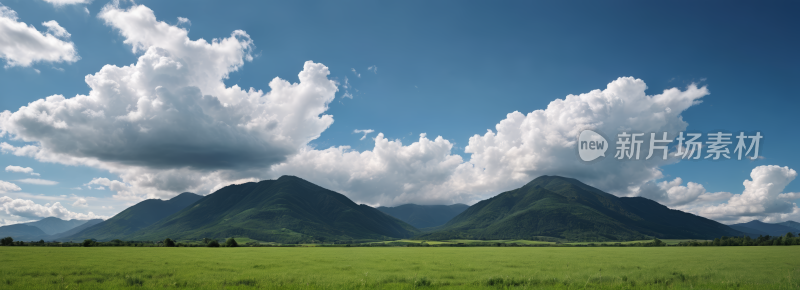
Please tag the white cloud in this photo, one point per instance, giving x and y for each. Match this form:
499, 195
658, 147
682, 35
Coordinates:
169, 120
522, 147
38, 181
366, 132
6, 186
56, 30
31, 210
762, 198
674, 194
80, 202
86, 10
22, 45
373, 68
355, 72
20, 169
67, 2
183, 20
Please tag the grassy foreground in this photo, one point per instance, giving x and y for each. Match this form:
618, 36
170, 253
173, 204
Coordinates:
401, 268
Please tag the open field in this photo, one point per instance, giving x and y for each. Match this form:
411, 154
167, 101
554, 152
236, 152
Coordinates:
526, 242
401, 268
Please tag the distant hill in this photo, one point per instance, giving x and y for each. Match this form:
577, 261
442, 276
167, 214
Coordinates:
424, 216
21, 232
53, 225
561, 207
73, 231
756, 228
791, 224
135, 218
285, 210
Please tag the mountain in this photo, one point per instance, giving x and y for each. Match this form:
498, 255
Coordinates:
756, 228
791, 224
73, 231
21, 232
285, 210
566, 208
52, 225
424, 216
135, 218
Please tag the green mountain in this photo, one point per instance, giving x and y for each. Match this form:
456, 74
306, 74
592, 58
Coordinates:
566, 208
756, 228
135, 218
21, 232
285, 210
53, 225
424, 216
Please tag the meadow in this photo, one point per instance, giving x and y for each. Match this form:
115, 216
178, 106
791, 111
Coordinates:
400, 268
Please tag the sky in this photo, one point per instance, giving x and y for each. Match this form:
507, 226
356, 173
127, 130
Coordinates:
106, 103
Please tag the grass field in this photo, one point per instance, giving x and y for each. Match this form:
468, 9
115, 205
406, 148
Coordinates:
401, 268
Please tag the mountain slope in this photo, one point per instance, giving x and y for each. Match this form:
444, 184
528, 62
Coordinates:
563, 207
424, 216
134, 218
78, 229
791, 224
53, 225
761, 228
21, 232
285, 210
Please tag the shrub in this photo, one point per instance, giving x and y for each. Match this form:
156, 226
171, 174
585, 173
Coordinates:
231, 243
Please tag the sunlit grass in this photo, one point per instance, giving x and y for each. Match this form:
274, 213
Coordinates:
401, 268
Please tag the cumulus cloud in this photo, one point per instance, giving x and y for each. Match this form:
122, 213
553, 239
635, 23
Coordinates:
522, 147
170, 112
762, 198
675, 194
6, 186
20, 169
67, 2
80, 202
23, 45
366, 132
31, 210
38, 181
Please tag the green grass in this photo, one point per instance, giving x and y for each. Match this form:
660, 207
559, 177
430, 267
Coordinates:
401, 268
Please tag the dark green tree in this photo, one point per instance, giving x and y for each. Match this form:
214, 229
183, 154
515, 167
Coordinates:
7, 241
213, 244
88, 243
169, 243
231, 243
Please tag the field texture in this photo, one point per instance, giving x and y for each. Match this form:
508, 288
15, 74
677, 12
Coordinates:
401, 268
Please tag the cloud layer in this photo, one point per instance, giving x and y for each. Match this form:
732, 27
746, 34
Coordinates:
23, 45
31, 210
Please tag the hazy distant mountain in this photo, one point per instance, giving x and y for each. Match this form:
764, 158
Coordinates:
567, 208
52, 225
791, 224
756, 228
73, 231
21, 232
135, 218
286, 210
424, 216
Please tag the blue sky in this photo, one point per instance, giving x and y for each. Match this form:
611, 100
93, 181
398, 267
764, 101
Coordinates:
452, 69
